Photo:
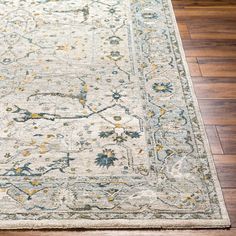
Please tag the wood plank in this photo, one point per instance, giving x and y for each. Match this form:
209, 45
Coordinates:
200, 13
230, 199
217, 67
214, 140
209, 48
214, 88
226, 169
194, 68
192, 13
227, 135
205, 3
218, 111
213, 30
184, 32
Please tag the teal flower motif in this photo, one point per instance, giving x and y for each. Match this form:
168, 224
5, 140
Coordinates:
106, 158
162, 87
119, 138
116, 96
106, 134
132, 134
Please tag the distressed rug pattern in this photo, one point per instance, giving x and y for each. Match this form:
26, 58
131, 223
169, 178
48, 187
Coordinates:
100, 127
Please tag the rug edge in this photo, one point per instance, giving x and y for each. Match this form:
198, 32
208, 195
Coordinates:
116, 224
202, 128
138, 224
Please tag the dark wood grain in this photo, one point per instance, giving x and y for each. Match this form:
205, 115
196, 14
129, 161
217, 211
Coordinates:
196, 15
214, 88
218, 111
214, 139
184, 32
213, 30
230, 199
207, 47
193, 66
203, 3
208, 31
227, 135
226, 169
217, 66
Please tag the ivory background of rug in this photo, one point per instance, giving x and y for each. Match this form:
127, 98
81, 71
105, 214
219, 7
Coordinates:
128, 144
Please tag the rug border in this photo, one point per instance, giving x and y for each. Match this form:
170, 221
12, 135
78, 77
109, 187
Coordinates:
216, 181
138, 224
114, 224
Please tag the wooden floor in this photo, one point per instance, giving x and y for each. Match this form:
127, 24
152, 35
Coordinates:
208, 31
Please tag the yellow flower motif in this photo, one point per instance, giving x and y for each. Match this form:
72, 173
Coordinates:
42, 149
30, 192
118, 125
35, 183
35, 116
18, 170
26, 153
159, 147
85, 88
162, 111
154, 66
110, 198
160, 87
2, 77
150, 114
110, 153
82, 101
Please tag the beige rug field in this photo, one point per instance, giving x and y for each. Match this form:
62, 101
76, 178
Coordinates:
99, 123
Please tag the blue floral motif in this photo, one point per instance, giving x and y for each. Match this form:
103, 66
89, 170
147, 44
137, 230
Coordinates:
119, 138
106, 134
132, 134
106, 158
162, 87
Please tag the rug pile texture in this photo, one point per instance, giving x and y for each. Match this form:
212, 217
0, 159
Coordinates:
100, 127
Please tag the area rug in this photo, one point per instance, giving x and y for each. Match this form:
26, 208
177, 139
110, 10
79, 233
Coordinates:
100, 127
